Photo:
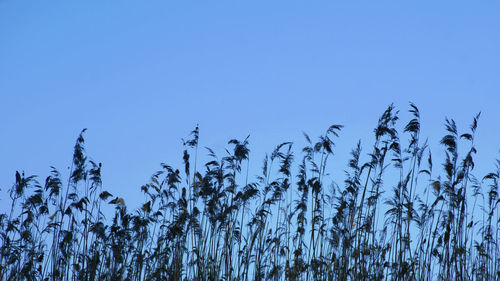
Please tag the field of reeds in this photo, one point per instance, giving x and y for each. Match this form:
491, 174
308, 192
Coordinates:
215, 221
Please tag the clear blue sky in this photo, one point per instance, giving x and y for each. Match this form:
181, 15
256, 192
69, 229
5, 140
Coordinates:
141, 74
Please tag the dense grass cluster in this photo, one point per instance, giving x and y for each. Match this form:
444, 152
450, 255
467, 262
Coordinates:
212, 221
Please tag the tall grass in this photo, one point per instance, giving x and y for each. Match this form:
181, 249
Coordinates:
397, 216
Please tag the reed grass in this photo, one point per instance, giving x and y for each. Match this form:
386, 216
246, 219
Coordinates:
397, 216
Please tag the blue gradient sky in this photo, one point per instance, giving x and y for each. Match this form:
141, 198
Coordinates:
141, 74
